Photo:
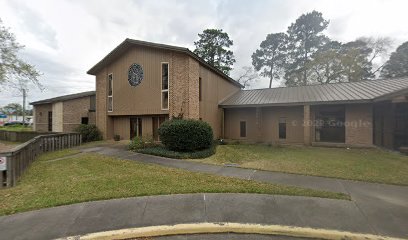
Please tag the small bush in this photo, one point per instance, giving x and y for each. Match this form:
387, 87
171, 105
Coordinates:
186, 135
89, 133
142, 142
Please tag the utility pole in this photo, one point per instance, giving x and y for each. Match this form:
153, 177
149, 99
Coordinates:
24, 105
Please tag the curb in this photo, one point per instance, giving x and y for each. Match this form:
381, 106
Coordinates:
203, 228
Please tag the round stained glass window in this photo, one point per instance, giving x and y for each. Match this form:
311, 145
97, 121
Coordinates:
135, 75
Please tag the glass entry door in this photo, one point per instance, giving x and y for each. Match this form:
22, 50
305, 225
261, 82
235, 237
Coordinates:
136, 128
157, 121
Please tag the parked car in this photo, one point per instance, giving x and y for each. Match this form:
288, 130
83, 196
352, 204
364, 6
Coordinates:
15, 123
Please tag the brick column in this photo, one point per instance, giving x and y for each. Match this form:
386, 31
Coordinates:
307, 125
184, 91
193, 89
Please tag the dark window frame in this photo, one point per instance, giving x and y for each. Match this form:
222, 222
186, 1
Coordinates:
200, 89
242, 129
50, 121
86, 122
92, 103
163, 83
282, 128
110, 92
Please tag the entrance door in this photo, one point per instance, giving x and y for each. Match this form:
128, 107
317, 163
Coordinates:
157, 121
135, 127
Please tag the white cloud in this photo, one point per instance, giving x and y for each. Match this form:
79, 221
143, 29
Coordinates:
65, 38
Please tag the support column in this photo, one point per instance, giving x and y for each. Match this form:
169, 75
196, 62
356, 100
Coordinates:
307, 125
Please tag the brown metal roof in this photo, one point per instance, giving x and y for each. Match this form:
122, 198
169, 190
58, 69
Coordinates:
64, 98
364, 91
125, 45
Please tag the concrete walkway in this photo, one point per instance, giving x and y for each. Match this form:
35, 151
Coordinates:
375, 208
385, 207
107, 215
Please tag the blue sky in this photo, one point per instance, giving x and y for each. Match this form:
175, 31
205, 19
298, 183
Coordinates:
64, 39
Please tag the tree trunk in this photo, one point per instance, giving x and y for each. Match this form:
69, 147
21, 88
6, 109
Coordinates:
271, 76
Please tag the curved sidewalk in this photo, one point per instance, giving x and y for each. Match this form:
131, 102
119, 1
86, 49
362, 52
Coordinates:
82, 218
385, 207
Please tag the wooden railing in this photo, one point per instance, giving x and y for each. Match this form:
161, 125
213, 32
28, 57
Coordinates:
15, 162
23, 136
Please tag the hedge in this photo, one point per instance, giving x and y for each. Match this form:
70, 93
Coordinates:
89, 132
186, 135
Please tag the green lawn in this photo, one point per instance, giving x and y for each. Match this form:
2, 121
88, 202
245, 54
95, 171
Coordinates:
87, 177
372, 165
16, 128
10, 143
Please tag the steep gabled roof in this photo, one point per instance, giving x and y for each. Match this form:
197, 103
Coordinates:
364, 91
64, 98
128, 43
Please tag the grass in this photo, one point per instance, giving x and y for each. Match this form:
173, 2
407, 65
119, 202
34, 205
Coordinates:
371, 165
10, 143
17, 128
164, 152
88, 177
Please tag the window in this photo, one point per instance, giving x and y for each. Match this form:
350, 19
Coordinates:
200, 89
330, 124
165, 86
50, 121
242, 129
282, 128
110, 92
92, 104
84, 120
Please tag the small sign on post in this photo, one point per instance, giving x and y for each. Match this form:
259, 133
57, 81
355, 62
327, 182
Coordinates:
3, 163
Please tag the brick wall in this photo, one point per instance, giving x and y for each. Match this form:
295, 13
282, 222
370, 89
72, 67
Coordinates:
178, 89
183, 89
74, 111
359, 125
41, 117
193, 89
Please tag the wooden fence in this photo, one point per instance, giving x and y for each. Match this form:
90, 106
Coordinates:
15, 162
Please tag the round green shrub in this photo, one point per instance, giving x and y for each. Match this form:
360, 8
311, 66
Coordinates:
89, 133
186, 135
